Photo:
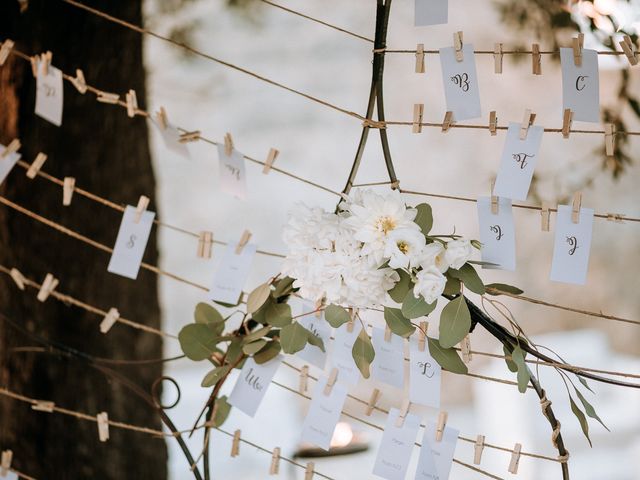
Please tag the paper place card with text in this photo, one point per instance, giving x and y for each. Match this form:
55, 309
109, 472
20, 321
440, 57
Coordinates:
571, 246
321, 329
519, 158
324, 413
397, 444
49, 94
425, 376
130, 243
252, 384
232, 273
497, 234
581, 85
388, 364
460, 79
7, 163
431, 12
341, 355
436, 458
233, 177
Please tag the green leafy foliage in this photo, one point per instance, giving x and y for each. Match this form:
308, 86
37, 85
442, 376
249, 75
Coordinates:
257, 297
294, 337
336, 315
397, 322
496, 288
413, 307
221, 411
400, 289
315, 340
363, 353
234, 351
468, 275
205, 313
452, 286
511, 365
588, 408
197, 341
253, 347
283, 287
256, 334
518, 356
268, 352
274, 313
447, 358
424, 217
455, 322
584, 425
214, 375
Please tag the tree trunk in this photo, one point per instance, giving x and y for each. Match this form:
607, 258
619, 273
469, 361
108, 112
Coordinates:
107, 153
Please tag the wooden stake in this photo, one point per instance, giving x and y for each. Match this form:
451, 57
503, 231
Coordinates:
497, 58
457, 46
418, 111
373, 399
493, 123
567, 119
68, 187
48, 286
515, 459
575, 207
37, 164
205, 243
235, 445
244, 239
273, 154
103, 426
109, 320
477, 450
143, 203
420, 58
442, 423
18, 278
536, 59
274, 469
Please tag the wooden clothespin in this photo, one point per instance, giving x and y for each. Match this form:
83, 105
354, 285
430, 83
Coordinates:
37, 164
578, 44
448, 120
132, 103
13, 147
274, 469
246, 236
79, 82
402, 414
422, 335
544, 216
441, 425
536, 59
497, 58
351, 323
318, 307
629, 50
477, 450
495, 201
609, 139
493, 123
45, 61
373, 399
18, 278
228, 144
5, 463
420, 58
418, 112
465, 347
143, 203
303, 383
527, 121
615, 217
387, 333
205, 243
109, 320
43, 406
106, 97
575, 207
567, 119
103, 426
68, 186
235, 444
47, 287
333, 376
5, 50
309, 471
162, 119
515, 459
457, 46
273, 154
34, 65
187, 137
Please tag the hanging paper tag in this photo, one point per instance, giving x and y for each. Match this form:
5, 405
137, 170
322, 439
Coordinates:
388, 364
171, 137
49, 94
424, 377
324, 413
436, 458
571, 246
497, 234
232, 273
232, 173
321, 329
461, 83
341, 356
7, 163
131, 243
252, 384
581, 85
396, 446
431, 12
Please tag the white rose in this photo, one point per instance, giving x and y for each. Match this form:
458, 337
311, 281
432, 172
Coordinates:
458, 252
430, 283
434, 254
403, 247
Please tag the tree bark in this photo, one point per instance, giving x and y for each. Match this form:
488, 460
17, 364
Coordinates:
107, 153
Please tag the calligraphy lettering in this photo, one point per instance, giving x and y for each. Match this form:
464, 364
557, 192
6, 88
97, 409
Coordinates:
427, 371
462, 81
573, 244
581, 82
253, 380
521, 158
497, 229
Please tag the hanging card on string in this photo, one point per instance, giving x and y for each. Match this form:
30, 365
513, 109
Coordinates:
324, 413
171, 137
131, 242
233, 179
49, 94
252, 384
232, 273
431, 12
581, 85
388, 363
571, 246
341, 356
497, 234
321, 329
7, 162
436, 458
460, 83
519, 158
425, 376
396, 446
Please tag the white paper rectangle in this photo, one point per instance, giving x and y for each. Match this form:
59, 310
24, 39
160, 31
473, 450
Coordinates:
571, 246
581, 85
396, 446
324, 413
233, 178
388, 364
436, 458
460, 80
232, 273
130, 243
171, 137
321, 329
425, 376
519, 158
252, 384
11, 475
497, 234
49, 94
7, 163
341, 356
431, 12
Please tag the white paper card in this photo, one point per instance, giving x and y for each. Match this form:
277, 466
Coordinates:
321, 329
130, 243
232, 273
460, 80
431, 12
11, 475
396, 446
7, 163
252, 384
49, 94
425, 376
233, 178
519, 158
497, 234
388, 364
436, 458
581, 85
324, 413
171, 137
571, 246
341, 354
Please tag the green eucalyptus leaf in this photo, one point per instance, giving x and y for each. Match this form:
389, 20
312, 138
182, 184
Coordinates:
234, 351
511, 365
268, 352
253, 347
336, 315
221, 410
588, 408
294, 337
363, 353
496, 288
518, 355
452, 287
273, 313
581, 418
283, 287
400, 289
468, 275
397, 322
214, 375
315, 340
455, 322
230, 305
205, 313
424, 217
197, 341
413, 307
583, 381
256, 334
257, 297
447, 358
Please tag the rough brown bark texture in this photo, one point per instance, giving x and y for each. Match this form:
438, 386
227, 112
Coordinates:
107, 153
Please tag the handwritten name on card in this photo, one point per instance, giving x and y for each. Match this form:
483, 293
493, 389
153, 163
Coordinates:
431, 12
252, 384
233, 178
7, 163
341, 354
497, 234
321, 329
519, 158
396, 446
232, 273
571, 246
388, 364
130, 243
436, 458
460, 79
49, 94
581, 85
424, 377
324, 413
